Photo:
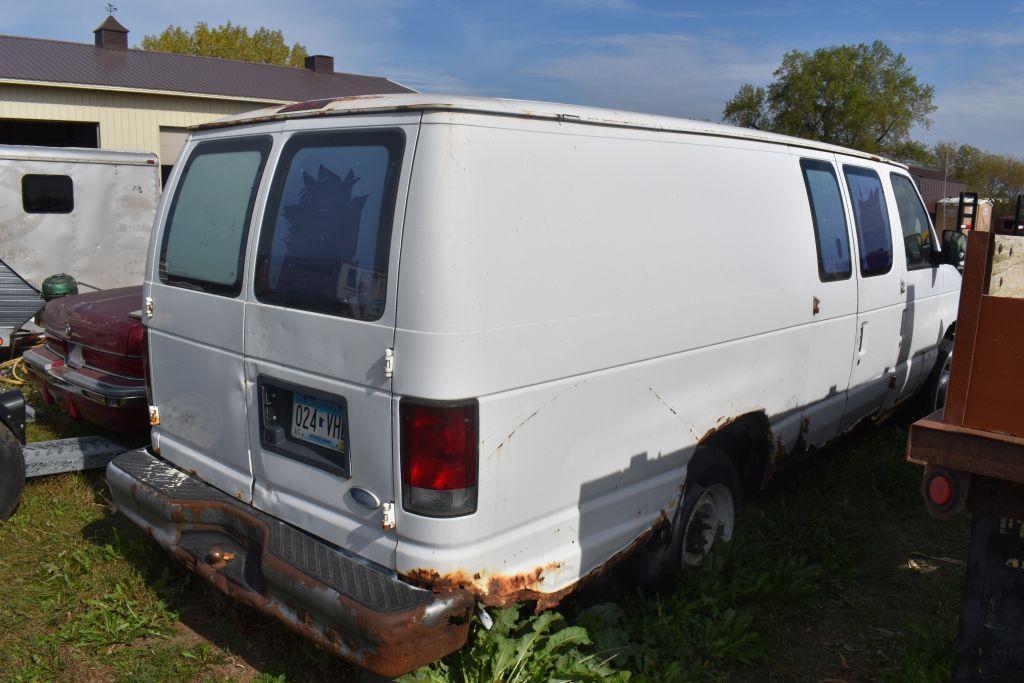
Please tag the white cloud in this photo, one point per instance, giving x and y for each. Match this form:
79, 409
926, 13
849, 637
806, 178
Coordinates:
673, 73
590, 5
984, 112
962, 36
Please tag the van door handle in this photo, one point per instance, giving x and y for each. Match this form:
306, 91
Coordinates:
903, 286
860, 344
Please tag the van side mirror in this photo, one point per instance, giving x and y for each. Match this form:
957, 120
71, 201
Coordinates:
954, 248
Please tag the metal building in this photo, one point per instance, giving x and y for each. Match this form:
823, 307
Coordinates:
935, 185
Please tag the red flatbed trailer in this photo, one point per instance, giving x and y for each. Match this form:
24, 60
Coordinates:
973, 456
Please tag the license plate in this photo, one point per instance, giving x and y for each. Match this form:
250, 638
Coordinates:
317, 421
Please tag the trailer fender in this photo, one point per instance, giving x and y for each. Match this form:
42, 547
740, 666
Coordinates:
12, 413
12, 473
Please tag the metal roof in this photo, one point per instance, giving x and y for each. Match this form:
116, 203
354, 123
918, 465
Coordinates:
52, 61
568, 113
111, 24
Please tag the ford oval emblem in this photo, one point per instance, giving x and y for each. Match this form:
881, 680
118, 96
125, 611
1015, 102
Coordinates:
365, 498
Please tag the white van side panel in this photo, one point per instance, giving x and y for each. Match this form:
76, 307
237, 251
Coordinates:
612, 297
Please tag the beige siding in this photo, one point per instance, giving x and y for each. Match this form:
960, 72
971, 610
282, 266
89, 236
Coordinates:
126, 120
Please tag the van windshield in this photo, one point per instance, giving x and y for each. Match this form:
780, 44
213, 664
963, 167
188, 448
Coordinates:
209, 217
326, 236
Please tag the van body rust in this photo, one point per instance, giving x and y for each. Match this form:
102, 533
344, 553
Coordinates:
588, 350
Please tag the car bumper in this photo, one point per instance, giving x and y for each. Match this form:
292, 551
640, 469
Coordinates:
108, 390
354, 608
116, 403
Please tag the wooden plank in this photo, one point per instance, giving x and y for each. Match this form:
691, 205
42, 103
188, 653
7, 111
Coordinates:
1007, 276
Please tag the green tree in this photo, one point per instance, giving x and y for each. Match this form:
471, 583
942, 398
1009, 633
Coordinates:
860, 96
228, 41
999, 177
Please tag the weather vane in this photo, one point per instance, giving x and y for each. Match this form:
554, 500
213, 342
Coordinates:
110, 8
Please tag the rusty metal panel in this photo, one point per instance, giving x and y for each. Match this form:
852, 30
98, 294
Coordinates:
937, 444
996, 383
353, 608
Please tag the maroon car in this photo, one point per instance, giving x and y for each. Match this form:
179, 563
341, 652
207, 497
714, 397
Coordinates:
93, 359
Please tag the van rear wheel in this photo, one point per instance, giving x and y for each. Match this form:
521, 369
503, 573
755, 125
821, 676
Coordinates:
709, 515
706, 515
704, 518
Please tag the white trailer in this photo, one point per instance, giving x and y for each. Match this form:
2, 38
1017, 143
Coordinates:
84, 212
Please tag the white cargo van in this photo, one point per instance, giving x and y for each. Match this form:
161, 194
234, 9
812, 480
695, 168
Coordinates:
413, 353
84, 212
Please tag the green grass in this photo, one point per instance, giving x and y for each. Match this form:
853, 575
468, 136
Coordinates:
835, 572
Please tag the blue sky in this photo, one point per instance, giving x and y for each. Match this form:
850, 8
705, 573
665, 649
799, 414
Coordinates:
677, 58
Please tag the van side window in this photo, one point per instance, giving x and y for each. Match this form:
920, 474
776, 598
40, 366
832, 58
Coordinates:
829, 217
326, 236
871, 215
917, 229
47, 194
204, 238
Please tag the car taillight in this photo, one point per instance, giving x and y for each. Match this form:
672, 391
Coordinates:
145, 365
136, 340
439, 457
58, 346
124, 366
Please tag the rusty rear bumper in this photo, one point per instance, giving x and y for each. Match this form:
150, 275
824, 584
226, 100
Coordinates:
357, 609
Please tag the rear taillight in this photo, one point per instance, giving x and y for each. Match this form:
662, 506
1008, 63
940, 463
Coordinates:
123, 366
439, 457
136, 340
57, 345
940, 489
145, 365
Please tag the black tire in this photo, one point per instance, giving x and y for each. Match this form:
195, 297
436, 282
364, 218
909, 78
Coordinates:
12, 473
933, 392
711, 474
663, 560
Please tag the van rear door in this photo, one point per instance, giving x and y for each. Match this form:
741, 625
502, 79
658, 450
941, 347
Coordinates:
319, 325
197, 285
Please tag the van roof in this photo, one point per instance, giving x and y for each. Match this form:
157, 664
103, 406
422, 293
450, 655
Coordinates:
77, 154
569, 113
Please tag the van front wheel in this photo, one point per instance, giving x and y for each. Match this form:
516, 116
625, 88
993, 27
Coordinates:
933, 393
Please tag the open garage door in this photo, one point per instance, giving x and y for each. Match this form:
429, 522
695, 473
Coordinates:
49, 133
171, 142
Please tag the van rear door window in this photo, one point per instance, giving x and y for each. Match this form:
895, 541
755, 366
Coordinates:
830, 232
204, 241
917, 229
326, 236
871, 215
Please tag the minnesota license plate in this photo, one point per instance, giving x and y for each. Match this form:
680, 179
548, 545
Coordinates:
317, 421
